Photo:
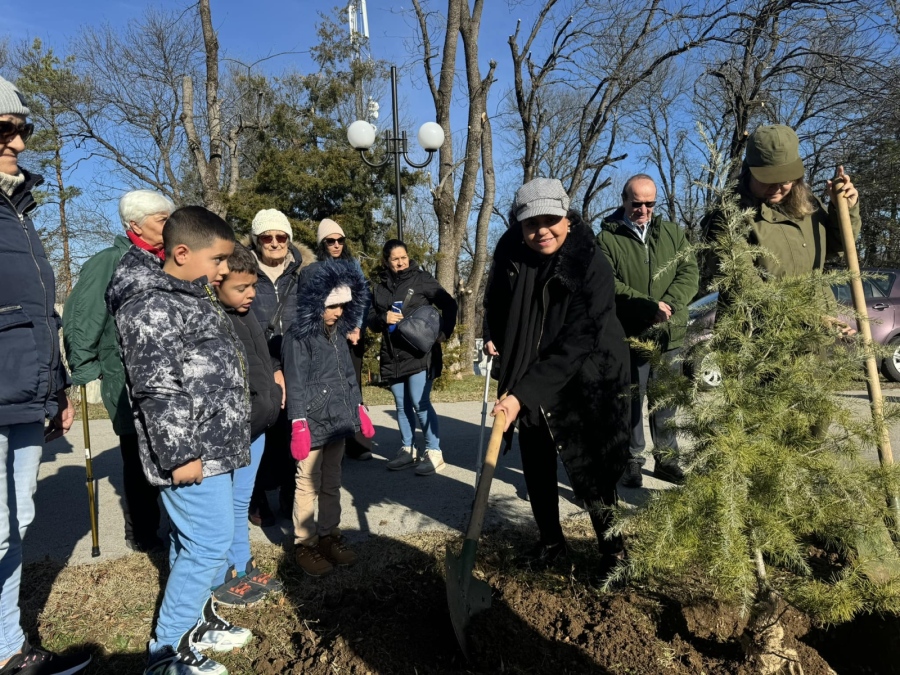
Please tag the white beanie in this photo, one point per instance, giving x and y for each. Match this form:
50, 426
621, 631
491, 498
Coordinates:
326, 227
340, 295
11, 100
271, 219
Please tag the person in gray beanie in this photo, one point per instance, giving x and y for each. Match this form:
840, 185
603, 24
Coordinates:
564, 365
33, 382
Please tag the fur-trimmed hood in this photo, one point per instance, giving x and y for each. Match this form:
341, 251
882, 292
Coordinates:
571, 261
316, 283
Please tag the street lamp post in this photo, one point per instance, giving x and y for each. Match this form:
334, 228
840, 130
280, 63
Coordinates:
361, 135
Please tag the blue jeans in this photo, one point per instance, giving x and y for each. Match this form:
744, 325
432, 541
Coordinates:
244, 479
20, 457
202, 529
413, 399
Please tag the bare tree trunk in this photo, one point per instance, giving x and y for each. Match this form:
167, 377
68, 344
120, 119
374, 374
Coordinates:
63, 223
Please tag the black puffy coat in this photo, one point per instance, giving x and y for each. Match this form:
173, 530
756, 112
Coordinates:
580, 380
318, 372
31, 371
265, 394
399, 360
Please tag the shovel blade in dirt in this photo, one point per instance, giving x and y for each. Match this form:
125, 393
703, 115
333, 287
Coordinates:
466, 596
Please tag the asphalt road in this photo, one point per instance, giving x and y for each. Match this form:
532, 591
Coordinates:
375, 501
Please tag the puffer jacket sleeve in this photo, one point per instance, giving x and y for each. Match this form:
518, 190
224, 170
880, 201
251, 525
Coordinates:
151, 337
295, 357
441, 299
591, 307
85, 316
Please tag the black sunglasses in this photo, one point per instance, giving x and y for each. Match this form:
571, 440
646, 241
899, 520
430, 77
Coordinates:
637, 205
9, 130
267, 238
332, 242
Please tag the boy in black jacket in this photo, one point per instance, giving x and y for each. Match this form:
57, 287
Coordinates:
244, 583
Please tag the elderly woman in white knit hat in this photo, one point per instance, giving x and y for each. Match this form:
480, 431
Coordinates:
333, 245
33, 381
280, 261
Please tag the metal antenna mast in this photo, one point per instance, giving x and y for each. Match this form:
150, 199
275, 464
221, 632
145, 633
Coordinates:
358, 19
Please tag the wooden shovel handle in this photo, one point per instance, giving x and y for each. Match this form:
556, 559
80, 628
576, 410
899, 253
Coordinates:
487, 475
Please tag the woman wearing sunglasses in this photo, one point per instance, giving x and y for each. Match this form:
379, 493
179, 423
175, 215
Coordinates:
33, 382
275, 305
333, 245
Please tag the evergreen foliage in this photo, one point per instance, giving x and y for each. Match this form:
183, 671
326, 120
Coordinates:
775, 455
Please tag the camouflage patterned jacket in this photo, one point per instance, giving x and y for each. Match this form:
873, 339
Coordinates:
185, 368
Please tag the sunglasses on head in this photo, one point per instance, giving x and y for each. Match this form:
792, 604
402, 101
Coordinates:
268, 238
9, 130
331, 242
637, 205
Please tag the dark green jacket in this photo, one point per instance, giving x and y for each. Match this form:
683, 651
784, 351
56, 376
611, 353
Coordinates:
89, 335
660, 270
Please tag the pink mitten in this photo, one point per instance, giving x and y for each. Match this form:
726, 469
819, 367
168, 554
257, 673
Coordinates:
365, 424
301, 442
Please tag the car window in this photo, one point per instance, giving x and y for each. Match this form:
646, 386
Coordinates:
872, 288
884, 285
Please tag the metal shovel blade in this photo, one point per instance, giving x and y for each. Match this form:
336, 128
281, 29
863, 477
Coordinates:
466, 596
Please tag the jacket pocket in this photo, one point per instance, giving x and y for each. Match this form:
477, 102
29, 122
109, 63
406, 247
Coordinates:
318, 401
18, 357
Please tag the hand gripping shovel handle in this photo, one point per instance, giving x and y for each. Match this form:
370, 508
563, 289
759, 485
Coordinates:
89, 470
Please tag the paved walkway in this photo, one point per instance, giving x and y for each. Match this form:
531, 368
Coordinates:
375, 500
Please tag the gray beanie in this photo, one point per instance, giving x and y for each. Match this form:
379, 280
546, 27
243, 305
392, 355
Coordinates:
540, 197
11, 100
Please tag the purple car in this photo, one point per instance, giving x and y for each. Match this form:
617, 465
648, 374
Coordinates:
882, 302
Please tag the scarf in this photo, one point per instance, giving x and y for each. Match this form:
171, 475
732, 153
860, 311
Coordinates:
158, 251
525, 323
9, 183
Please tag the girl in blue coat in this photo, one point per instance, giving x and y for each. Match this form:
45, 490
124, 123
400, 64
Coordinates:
324, 406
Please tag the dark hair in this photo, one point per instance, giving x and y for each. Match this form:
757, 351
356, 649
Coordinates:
242, 261
389, 246
323, 254
635, 177
194, 227
798, 203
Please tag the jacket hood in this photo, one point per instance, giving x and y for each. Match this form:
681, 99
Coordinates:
140, 272
570, 263
318, 280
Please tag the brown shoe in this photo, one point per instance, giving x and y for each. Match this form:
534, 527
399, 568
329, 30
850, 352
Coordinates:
311, 561
336, 550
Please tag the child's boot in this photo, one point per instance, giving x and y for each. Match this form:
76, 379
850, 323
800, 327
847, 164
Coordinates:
215, 633
311, 560
336, 551
185, 660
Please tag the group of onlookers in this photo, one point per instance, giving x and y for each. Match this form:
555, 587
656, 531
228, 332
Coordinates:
228, 370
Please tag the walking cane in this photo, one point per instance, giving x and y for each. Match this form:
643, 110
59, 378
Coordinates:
89, 470
487, 386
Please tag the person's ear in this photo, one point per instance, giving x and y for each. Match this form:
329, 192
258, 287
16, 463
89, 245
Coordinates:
181, 254
135, 227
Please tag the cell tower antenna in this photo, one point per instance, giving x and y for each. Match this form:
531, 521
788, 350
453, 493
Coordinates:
358, 19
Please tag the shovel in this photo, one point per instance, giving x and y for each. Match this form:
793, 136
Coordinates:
89, 470
487, 387
466, 596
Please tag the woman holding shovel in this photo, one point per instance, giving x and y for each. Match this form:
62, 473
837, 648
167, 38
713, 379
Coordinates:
550, 310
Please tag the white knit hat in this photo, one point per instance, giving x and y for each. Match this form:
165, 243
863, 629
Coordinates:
11, 100
271, 219
340, 295
326, 227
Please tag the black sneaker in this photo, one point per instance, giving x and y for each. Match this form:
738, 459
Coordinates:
633, 477
182, 661
215, 633
154, 545
34, 661
669, 472
543, 555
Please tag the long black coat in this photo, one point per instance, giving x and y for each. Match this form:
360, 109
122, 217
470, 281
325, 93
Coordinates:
399, 360
580, 379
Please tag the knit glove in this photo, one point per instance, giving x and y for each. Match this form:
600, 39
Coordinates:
301, 442
365, 424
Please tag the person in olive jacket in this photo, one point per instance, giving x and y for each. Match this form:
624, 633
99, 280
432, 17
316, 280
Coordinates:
404, 287
656, 278
550, 307
92, 351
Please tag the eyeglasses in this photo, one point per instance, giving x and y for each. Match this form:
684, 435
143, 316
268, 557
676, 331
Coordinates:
637, 205
9, 130
331, 242
267, 238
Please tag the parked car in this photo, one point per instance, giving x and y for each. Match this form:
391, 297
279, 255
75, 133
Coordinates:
882, 295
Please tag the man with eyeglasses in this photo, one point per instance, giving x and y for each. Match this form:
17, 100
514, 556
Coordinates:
656, 277
33, 383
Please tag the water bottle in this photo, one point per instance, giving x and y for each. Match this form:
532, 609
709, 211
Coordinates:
397, 306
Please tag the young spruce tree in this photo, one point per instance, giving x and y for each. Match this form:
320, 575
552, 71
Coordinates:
775, 459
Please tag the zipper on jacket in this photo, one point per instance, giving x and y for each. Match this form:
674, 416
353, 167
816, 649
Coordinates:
337, 353
54, 334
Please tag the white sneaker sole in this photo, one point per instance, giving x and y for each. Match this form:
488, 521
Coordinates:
440, 467
224, 641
